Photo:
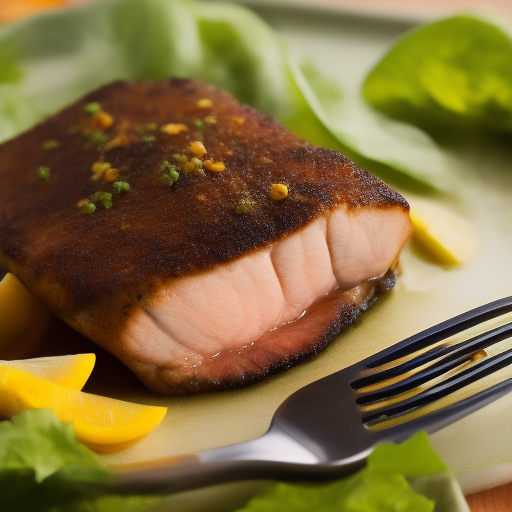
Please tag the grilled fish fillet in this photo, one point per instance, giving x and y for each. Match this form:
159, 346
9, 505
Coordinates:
188, 269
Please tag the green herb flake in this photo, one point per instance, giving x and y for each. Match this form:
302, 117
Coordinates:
143, 129
245, 205
121, 186
171, 177
88, 208
165, 166
198, 123
148, 138
195, 165
92, 108
169, 173
43, 173
103, 198
180, 158
97, 139
50, 144
174, 174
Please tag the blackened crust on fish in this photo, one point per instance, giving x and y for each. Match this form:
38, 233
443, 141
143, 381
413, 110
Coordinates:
274, 352
156, 232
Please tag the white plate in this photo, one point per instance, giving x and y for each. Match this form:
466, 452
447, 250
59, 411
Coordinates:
345, 44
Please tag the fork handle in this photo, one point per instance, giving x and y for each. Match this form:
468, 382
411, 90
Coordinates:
272, 456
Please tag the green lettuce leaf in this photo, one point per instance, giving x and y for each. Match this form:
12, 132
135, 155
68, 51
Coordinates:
363, 492
412, 458
399, 153
380, 487
43, 468
39, 441
50, 60
447, 75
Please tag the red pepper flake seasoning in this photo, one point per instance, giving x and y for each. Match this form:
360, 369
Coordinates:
118, 140
174, 128
99, 169
111, 174
103, 170
195, 166
204, 103
102, 121
278, 191
197, 148
86, 206
98, 121
82, 203
121, 138
214, 166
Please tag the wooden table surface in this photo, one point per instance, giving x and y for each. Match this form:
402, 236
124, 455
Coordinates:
498, 499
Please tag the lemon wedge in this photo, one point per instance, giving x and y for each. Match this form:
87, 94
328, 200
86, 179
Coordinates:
103, 424
23, 319
444, 236
68, 371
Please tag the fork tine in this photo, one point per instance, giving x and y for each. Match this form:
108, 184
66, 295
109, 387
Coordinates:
459, 354
441, 331
452, 384
436, 420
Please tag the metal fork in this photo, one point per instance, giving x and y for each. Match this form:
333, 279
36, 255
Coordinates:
328, 428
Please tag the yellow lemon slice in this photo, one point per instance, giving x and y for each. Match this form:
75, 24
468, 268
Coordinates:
68, 371
103, 424
443, 235
16, 9
23, 319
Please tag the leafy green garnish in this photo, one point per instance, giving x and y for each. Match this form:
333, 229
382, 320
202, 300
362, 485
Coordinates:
37, 440
380, 487
452, 73
397, 152
43, 468
364, 492
412, 458
225, 44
